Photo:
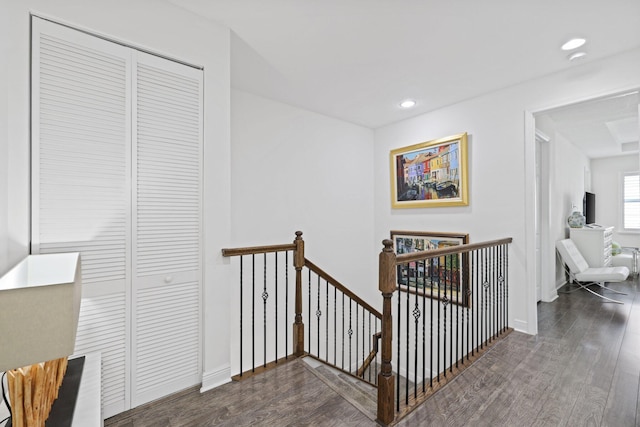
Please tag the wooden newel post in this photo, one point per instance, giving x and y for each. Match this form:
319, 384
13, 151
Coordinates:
298, 326
386, 379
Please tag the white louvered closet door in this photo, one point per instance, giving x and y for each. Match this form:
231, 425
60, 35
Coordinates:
81, 180
116, 176
167, 228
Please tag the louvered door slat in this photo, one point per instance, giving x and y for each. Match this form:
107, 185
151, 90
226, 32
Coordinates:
81, 186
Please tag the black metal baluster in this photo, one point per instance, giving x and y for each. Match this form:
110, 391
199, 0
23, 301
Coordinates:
482, 296
357, 329
276, 304
483, 272
424, 326
492, 284
494, 297
503, 250
407, 366
398, 346
506, 286
439, 324
450, 274
500, 290
449, 299
350, 332
486, 296
309, 315
356, 351
431, 266
476, 305
467, 311
457, 278
286, 305
326, 322
363, 339
416, 316
265, 295
335, 325
377, 328
241, 311
253, 313
342, 331
318, 315
369, 368
444, 301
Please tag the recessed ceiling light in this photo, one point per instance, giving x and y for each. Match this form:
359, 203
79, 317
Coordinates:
573, 44
576, 55
408, 103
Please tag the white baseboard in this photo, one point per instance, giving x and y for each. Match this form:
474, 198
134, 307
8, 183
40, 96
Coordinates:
521, 326
215, 378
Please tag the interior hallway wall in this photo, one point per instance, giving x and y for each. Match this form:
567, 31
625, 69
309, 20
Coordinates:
501, 165
293, 169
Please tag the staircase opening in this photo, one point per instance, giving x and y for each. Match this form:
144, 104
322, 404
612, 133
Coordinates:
441, 310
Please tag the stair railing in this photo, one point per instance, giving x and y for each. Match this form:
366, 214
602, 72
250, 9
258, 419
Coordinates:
265, 335
451, 305
342, 330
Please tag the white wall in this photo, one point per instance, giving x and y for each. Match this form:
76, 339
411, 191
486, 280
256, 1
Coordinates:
606, 181
4, 153
567, 185
158, 27
297, 170
501, 165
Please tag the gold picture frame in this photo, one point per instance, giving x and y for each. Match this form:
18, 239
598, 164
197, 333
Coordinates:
430, 174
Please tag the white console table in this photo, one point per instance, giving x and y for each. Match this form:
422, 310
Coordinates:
594, 244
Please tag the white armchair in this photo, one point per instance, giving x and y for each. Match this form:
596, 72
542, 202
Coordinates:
585, 276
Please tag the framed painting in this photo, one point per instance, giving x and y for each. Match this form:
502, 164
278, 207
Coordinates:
430, 174
443, 277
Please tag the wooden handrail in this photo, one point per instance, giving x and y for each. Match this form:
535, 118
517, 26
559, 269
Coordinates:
258, 249
434, 253
311, 266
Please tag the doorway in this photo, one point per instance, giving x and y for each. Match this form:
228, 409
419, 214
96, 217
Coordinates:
579, 147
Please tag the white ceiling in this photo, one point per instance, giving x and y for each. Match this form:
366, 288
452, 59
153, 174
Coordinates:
357, 59
602, 127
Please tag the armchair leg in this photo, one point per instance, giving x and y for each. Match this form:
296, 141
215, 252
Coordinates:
601, 284
602, 296
585, 286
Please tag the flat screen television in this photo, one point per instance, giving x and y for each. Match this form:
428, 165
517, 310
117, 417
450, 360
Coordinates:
589, 208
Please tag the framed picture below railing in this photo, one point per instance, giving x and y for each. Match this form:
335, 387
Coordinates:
443, 277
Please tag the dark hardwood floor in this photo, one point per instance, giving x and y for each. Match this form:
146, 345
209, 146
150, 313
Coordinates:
582, 369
